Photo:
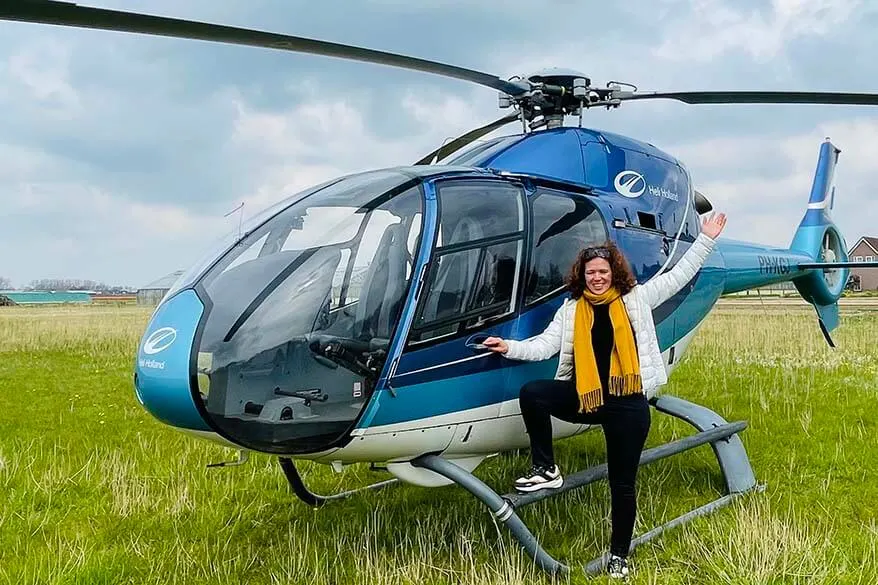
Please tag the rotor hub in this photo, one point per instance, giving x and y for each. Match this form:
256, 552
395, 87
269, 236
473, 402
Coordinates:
554, 93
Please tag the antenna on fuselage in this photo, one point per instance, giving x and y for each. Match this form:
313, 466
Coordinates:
240, 217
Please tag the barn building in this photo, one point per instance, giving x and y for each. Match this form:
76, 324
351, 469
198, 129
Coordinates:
865, 250
152, 294
44, 297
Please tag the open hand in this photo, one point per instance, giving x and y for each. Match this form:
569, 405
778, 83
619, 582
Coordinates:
496, 344
712, 226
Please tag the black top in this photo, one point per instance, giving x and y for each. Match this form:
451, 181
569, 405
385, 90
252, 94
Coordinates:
602, 343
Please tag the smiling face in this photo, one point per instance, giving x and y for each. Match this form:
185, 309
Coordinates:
599, 268
598, 275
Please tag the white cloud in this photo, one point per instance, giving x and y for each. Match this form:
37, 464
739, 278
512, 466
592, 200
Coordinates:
19, 162
40, 71
77, 205
444, 113
320, 139
72, 230
713, 27
856, 138
767, 210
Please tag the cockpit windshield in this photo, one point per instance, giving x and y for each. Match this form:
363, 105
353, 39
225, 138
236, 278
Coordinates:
302, 311
231, 239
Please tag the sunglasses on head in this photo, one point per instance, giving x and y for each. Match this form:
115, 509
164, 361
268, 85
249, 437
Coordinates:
596, 252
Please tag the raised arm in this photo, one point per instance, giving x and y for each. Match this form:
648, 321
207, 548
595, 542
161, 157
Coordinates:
661, 288
539, 347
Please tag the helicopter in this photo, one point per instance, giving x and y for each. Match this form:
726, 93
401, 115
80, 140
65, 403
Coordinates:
343, 325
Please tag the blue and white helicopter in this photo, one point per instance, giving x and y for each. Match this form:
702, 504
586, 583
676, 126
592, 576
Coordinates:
344, 325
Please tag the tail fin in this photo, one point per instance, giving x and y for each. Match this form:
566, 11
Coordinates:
819, 238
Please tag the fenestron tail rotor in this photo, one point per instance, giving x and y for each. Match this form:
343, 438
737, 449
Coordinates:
70, 14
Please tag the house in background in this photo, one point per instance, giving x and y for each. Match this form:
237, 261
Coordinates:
865, 250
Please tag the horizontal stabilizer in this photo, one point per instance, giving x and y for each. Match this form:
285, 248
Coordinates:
838, 265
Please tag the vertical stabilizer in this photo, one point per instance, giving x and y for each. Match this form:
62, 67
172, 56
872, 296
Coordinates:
819, 238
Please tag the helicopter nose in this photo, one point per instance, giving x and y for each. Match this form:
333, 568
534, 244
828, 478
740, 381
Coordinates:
163, 372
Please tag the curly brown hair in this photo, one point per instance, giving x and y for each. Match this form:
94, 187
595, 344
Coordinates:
623, 277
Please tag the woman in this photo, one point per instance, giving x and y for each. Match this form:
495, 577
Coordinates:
610, 360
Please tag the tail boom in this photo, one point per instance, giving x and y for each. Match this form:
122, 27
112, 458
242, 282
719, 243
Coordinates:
750, 266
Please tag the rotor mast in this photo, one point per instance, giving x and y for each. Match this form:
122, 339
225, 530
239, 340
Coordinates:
555, 93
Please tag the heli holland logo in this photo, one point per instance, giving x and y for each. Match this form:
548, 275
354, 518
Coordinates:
630, 184
160, 340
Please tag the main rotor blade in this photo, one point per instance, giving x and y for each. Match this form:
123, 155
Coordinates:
70, 14
760, 97
465, 139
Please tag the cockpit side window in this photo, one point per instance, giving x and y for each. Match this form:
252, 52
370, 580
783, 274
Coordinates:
474, 273
562, 225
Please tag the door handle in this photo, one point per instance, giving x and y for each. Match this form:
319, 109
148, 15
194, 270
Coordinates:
474, 342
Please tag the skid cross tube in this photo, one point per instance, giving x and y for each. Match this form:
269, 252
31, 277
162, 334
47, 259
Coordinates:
596, 565
722, 436
316, 500
592, 474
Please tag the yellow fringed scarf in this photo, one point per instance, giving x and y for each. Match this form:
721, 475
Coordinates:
624, 376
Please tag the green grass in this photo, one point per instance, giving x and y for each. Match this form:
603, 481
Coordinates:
93, 490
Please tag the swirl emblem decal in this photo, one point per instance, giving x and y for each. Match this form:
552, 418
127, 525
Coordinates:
160, 340
630, 184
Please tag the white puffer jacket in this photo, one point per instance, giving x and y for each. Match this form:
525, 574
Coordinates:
639, 302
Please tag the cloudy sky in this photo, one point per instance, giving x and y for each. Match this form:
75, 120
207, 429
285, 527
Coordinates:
120, 153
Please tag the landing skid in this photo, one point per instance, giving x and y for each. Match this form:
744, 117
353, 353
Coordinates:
713, 429
316, 500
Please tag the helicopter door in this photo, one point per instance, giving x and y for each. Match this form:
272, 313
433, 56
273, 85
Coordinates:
561, 225
469, 291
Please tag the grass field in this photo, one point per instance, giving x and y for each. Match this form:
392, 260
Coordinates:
95, 491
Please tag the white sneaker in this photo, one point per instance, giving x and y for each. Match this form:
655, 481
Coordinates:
539, 478
617, 567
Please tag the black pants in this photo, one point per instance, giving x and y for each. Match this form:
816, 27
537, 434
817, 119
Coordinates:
625, 421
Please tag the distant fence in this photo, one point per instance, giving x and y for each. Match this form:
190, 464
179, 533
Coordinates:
782, 289
120, 299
